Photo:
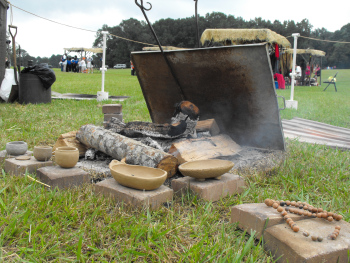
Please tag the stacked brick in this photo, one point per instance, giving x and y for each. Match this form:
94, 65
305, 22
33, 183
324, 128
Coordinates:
110, 111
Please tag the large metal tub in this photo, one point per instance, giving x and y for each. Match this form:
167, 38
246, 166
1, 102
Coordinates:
234, 85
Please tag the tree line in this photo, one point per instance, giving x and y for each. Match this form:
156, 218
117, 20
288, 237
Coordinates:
182, 33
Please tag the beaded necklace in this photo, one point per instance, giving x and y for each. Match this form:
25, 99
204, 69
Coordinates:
303, 208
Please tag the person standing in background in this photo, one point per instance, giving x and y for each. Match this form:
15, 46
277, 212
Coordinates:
132, 68
83, 66
64, 63
88, 64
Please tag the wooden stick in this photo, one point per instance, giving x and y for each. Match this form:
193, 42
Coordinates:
31, 178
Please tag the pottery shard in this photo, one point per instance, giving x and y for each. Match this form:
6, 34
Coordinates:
119, 147
69, 139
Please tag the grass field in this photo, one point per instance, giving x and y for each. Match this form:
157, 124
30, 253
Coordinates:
37, 225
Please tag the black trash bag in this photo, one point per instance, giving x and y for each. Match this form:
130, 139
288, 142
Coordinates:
46, 75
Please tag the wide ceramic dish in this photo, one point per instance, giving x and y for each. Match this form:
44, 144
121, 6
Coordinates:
16, 148
203, 169
66, 157
137, 177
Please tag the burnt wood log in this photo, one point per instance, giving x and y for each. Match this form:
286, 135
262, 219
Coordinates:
119, 147
204, 148
208, 125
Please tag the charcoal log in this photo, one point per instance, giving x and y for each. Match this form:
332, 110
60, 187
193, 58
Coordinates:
119, 147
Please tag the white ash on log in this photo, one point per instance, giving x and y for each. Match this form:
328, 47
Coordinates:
119, 147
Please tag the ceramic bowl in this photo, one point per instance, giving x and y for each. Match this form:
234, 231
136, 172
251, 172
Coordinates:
16, 148
66, 157
203, 169
42, 153
137, 177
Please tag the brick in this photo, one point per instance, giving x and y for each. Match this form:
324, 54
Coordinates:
62, 178
210, 189
108, 117
252, 217
112, 108
3, 157
133, 197
19, 167
293, 247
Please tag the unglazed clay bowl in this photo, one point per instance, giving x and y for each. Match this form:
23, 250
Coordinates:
16, 148
66, 157
203, 169
42, 153
137, 177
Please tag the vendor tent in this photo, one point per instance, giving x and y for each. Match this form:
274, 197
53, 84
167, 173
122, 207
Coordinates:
287, 54
243, 36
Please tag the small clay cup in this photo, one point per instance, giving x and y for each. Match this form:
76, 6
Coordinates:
16, 148
66, 157
42, 153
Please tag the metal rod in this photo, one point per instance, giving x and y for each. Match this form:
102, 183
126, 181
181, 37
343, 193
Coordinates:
294, 62
143, 9
197, 27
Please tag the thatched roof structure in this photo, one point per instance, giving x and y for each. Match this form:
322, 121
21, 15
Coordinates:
82, 49
244, 36
164, 48
314, 52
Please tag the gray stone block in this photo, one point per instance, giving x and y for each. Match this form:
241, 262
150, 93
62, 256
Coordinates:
56, 176
210, 189
112, 108
137, 198
20, 167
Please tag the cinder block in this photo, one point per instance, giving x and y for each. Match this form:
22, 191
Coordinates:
293, 247
253, 217
210, 189
20, 167
108, 117
137, 198
3, 156
56, 176
112, 108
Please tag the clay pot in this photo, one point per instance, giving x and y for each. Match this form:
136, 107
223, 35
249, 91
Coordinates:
203, 169
42, 153
16, 148
137, 177
66, 157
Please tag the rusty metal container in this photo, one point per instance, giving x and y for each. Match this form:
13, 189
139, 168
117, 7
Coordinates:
234, 85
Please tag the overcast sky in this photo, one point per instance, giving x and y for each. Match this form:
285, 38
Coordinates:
43, 38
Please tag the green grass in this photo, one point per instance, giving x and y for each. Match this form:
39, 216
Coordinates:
37, 225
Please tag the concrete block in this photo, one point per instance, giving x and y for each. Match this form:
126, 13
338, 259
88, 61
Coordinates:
253, 217
108, 117
137, 198
111, 108
293, 247
20, 167
56, 176
210, 189
4, 156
